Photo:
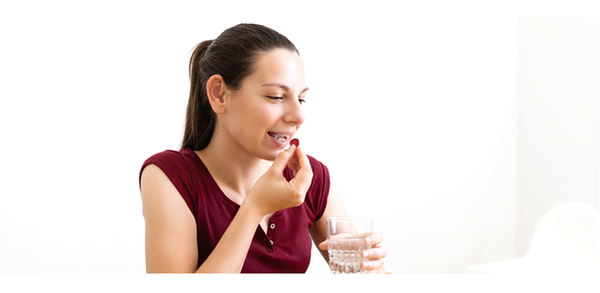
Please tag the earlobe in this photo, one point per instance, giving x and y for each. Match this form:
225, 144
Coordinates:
216, 90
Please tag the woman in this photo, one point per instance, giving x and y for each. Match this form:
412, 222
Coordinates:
234, 199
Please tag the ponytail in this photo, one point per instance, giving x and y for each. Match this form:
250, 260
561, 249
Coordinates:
200, 118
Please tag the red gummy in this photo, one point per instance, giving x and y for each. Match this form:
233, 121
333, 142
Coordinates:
295, 142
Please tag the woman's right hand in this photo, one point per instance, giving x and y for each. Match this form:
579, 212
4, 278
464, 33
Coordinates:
272, 192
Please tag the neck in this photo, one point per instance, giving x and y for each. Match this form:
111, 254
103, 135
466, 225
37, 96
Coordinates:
233, 168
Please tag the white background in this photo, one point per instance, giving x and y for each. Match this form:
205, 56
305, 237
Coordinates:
456, 126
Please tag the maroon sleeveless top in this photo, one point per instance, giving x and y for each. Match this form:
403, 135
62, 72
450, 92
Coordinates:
286, 246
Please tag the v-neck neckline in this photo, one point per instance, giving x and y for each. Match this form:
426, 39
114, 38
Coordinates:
228, 201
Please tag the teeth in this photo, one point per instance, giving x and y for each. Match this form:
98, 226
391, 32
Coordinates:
279, 137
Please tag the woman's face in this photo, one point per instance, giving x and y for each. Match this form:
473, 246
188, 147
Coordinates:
264, 114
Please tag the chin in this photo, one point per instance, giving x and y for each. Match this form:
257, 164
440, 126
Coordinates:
271, 156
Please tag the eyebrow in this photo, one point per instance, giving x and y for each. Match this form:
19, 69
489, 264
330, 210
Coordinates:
283, 86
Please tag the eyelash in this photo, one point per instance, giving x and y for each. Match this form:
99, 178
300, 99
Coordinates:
302, 101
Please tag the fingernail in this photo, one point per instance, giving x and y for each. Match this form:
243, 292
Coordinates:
369, 240
365, 254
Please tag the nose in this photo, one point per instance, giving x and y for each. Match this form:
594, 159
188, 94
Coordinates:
294, 113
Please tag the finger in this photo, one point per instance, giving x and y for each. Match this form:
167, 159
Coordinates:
374, 253
304, 175
371, 265
323, 245
294, 164
302, 157
374, 239
282, 159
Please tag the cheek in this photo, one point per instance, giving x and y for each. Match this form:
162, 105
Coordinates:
250, 120
258, 121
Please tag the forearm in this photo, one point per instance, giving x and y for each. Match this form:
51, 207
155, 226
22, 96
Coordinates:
272, 192
230, 253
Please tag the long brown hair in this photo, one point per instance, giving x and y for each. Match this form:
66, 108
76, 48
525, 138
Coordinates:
232, 55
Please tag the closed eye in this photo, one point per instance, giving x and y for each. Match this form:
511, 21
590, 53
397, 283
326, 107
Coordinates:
276, 98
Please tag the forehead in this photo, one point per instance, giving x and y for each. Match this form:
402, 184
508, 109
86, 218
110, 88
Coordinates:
279, 66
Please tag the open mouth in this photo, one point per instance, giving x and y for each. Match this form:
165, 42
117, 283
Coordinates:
279, 137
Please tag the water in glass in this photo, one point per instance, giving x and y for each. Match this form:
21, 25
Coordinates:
345, 253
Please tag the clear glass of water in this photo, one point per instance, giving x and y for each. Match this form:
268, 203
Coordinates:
346, 242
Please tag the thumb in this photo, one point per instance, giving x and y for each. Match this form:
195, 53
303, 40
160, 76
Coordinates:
282, 159
323, 245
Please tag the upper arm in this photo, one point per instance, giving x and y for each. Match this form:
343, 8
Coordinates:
335, 208
171, 244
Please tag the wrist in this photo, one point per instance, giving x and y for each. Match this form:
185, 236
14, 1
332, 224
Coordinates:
249, 213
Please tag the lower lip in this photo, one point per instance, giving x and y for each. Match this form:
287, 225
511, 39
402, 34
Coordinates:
278, 143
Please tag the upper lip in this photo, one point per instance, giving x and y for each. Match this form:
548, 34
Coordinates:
290, 133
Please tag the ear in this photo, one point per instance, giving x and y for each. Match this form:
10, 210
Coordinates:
216, 90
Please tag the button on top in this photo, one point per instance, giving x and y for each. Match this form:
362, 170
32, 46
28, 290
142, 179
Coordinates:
272, 226
271, 242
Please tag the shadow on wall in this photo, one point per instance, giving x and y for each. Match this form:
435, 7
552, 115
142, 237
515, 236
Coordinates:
566, 240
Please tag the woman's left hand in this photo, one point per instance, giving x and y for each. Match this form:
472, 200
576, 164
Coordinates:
372, 257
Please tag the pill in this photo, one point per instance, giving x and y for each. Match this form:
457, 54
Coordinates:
295, 142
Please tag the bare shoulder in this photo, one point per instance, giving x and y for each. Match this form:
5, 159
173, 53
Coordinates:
170, 226
157, 190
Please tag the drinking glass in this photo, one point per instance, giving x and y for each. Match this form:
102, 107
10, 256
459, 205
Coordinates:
346, 242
